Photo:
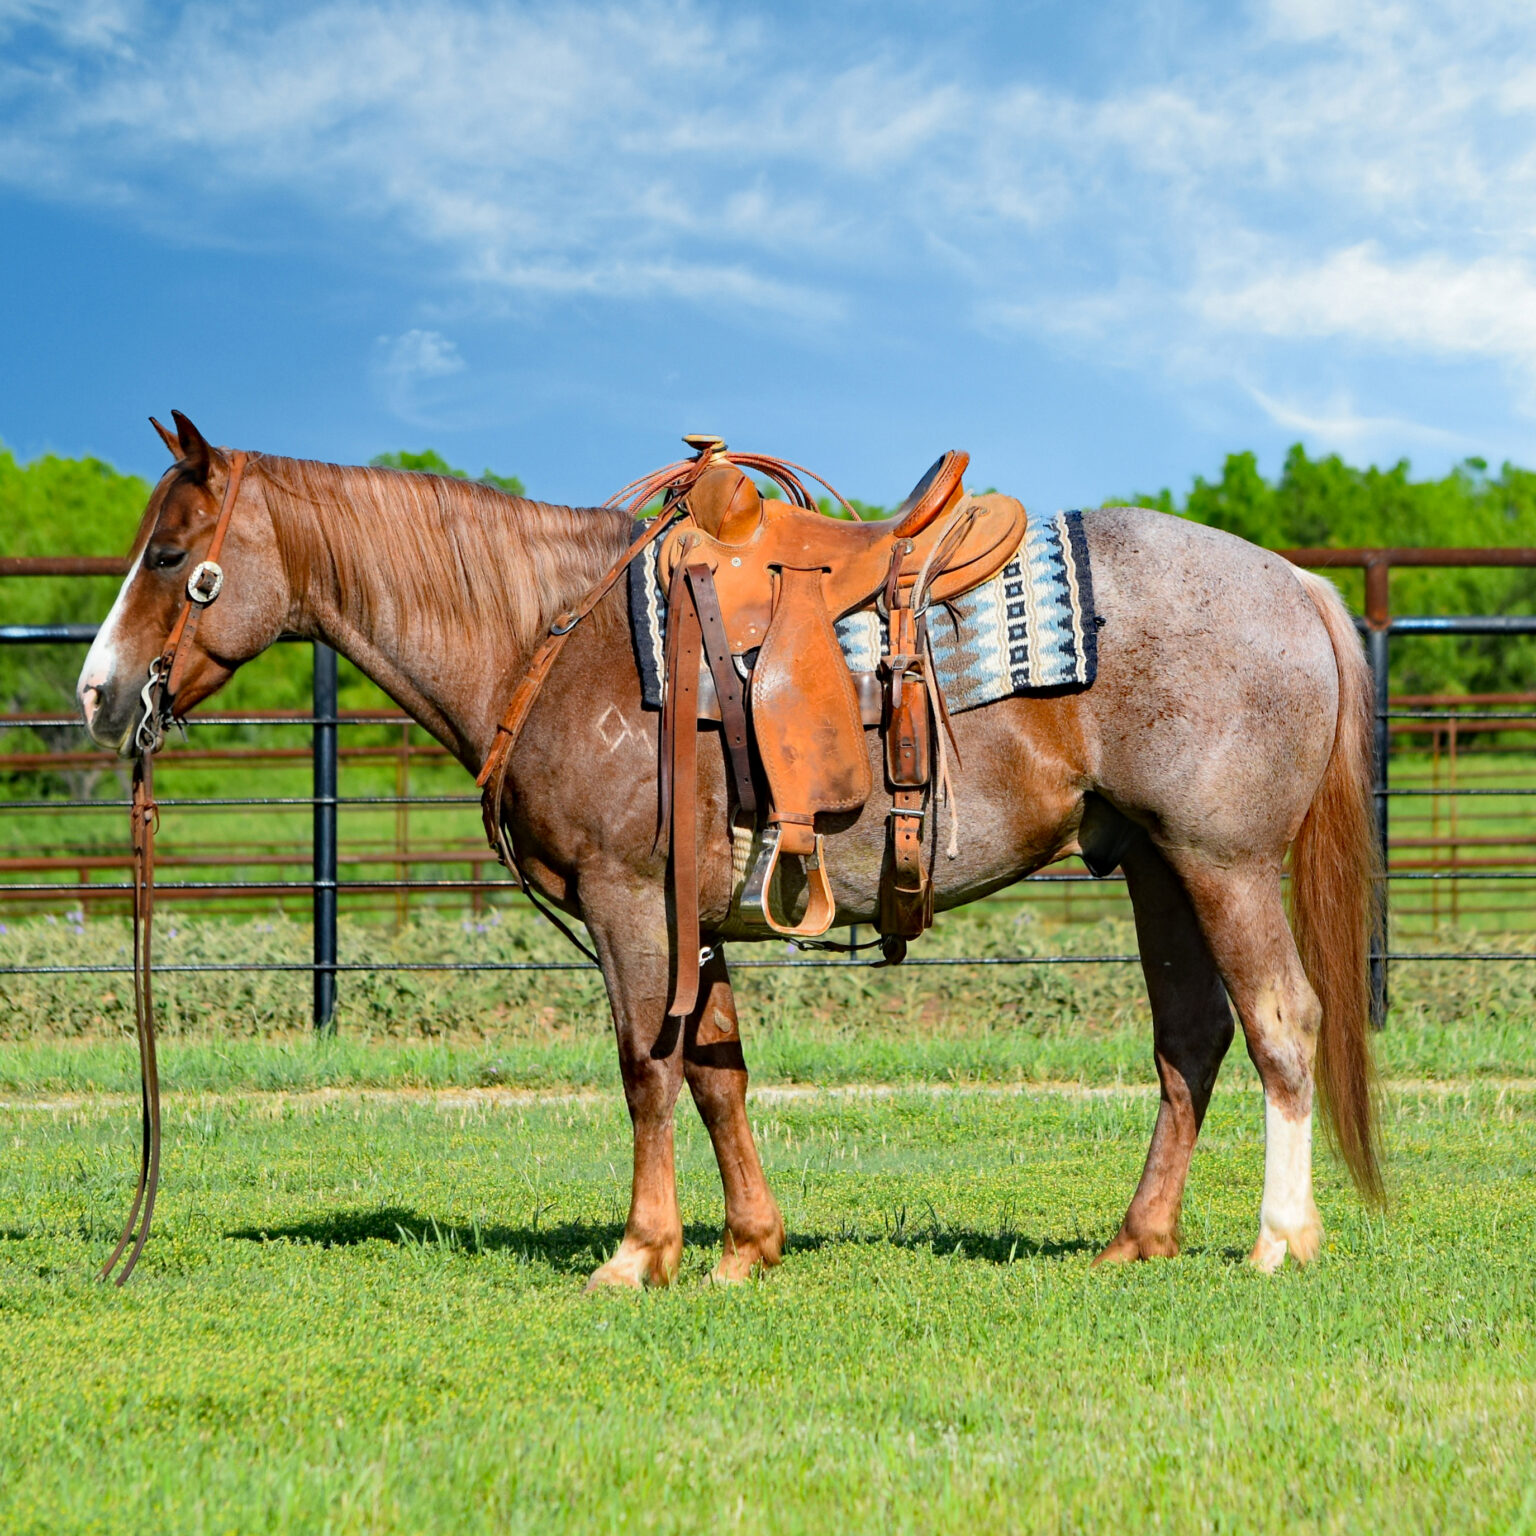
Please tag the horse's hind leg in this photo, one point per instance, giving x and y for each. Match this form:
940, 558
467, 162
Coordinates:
716, 1071
1243, 918
1192, 1028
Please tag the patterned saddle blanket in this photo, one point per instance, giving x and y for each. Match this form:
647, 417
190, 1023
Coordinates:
1030, 629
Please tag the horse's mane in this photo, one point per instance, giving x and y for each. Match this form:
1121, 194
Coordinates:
440, 553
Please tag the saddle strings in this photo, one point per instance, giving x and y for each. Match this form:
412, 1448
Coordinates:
681, 476
934, 566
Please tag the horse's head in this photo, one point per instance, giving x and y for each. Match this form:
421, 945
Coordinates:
173, 539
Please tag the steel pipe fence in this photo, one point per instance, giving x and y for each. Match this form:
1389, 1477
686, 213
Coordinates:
324, 752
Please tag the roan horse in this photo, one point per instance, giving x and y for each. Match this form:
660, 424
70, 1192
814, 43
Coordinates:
1228, 725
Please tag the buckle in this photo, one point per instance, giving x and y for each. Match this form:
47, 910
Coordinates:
211, 572
565, 623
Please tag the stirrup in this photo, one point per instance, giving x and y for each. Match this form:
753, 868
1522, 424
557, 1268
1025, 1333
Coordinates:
757, 893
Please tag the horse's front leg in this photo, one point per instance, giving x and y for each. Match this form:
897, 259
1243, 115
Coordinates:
635, 966
716, 1070
655, 1052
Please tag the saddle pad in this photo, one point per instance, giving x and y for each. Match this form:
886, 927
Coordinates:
1030, 629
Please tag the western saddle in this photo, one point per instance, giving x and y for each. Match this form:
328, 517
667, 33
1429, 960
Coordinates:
755, 586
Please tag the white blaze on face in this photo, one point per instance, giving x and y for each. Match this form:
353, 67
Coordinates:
101, 660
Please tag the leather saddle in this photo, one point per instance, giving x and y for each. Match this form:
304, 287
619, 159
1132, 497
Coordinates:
755, 586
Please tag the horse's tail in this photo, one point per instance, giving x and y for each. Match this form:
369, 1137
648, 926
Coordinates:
1335, 904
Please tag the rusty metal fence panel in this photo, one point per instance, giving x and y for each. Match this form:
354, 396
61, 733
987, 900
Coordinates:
324, 887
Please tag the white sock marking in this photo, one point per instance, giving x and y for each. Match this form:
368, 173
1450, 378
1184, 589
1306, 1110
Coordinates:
1287, 1205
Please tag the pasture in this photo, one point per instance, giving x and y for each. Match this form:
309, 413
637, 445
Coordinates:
362, 1307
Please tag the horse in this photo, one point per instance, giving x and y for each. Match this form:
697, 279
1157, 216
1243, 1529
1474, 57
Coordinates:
1229, 727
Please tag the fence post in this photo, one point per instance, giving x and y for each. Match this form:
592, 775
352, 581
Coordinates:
1378, 619
324, 751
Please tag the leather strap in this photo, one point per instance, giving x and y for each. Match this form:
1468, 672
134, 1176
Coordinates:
906, 888
186, 622
686, 635
733, 709
144, 821
493, 774
906, 894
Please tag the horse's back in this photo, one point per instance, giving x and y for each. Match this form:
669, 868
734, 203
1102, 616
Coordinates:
1213, 714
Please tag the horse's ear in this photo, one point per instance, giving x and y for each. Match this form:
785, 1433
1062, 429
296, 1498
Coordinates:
193, 447
167, 437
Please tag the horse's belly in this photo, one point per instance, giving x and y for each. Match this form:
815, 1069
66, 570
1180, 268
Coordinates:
1016, 802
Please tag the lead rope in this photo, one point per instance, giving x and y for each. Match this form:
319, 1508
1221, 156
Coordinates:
145, 823
158, 694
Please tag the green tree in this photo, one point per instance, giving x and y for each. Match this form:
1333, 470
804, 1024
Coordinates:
431, 462
1326, 502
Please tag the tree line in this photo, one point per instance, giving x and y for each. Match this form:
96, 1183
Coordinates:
58, 506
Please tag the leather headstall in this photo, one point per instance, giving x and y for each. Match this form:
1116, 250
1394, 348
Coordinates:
158, 694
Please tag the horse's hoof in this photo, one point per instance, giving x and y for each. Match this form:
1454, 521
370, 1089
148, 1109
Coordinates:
1273, 1245
1128, 1247
635, 1266
739, 1261
1269, 1252
1304, 1245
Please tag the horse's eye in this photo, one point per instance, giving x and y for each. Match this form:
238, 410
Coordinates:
165, 558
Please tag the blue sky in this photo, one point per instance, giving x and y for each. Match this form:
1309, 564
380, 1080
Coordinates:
1097, 245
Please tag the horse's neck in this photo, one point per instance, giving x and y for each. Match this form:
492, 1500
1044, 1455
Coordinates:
453, 668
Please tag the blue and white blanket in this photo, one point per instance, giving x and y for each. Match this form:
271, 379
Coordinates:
1031, 629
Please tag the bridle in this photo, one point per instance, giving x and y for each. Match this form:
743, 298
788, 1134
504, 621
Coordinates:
158, 693
203, 586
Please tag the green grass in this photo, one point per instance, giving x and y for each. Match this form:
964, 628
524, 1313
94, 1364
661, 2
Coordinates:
1077, 1023
361, 1310
366, 1315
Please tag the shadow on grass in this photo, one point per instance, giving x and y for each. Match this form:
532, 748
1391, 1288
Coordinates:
572, 1247
953, 1242
577, 1247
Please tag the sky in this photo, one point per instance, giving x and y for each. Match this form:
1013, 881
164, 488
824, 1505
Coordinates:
1099, 246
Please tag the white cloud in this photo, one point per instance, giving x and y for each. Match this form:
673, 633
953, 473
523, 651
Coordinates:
419, 355
1479, 308
1341, 170
520, 142
1340, 426
403, 364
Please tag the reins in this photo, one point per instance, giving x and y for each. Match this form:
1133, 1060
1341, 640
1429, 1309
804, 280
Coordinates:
203, 586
